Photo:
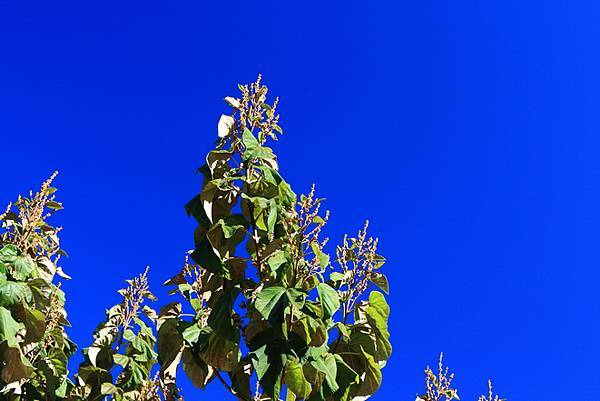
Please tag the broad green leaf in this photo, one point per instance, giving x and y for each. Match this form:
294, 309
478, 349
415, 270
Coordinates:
24, 267
169, 345
121, 360
190, 335
381, 281
326, 363
12, 292
221, 352
311, 331
15, 366
295, 381
330, 301
196, 369
322, 256
251, 144
345, 378
268, 363
378, 312
276, 261
240, 378
205, 256
343, 329
35, 323
108, 389
220, 318
272, 218
268, 302
8, 328
370, 380
8, 253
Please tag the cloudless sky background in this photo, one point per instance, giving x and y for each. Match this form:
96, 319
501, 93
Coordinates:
466, 131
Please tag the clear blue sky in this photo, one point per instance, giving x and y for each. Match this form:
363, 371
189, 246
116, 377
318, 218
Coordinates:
467, 132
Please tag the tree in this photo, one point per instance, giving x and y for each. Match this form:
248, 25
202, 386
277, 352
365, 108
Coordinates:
262, 308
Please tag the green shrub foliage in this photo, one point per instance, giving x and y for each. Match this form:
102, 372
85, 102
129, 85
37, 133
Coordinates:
34, 348
260, 307
267, 303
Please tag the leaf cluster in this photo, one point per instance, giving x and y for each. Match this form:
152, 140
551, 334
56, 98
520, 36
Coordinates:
34, 347
262, 308
268, 307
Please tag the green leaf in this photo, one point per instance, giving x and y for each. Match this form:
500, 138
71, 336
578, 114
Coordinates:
322, 256
268, 363
311, 331
370, 379
381, 281
121, 360
196, 369
318, 220
345, 378
169, 345
24, 267
295, 381
220, 318
12, 292
326, 363
272, 218
205, 256
269, 302
336, 276
8, 253
378, 312
8, 327
251, 144
190, 335
343, 329
276, 260
221, 352
15, 366
54, 205
35, 323
94, 377
330, 301
108, 389
240, 378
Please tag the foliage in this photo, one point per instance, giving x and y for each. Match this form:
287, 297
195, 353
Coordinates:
34, 347
122, 355
262, 307
267, 302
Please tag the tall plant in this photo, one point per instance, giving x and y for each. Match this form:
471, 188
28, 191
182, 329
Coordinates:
263, 309
268, 304
34, 347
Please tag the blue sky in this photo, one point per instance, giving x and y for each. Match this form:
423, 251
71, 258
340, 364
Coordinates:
467, 132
